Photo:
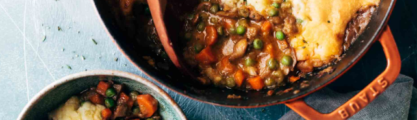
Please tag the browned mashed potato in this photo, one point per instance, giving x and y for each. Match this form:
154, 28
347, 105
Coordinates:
72, 110
323, 27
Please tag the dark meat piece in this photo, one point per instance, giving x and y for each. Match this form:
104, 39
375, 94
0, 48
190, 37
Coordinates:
120, 111
275, 20
88, 94
290, 26
357, 25
255, 16
203, 6
243, 12
230, 14
118, 88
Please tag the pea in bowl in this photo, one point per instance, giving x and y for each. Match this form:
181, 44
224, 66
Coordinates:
102, 94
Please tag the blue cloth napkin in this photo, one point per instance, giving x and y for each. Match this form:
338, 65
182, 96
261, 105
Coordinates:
398, 102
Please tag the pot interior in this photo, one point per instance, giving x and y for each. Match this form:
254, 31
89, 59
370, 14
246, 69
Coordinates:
137, 46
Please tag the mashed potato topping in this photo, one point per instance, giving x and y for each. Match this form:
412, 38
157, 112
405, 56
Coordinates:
323, 27
72, 110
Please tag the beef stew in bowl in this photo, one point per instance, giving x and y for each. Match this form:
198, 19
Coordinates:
107, 101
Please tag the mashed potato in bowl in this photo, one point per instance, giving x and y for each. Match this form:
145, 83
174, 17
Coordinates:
73, 110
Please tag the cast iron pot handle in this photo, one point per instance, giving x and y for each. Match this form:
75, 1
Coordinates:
364, 97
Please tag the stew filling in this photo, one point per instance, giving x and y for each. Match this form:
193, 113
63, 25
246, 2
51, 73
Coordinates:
239, 46
256, 44
109, 101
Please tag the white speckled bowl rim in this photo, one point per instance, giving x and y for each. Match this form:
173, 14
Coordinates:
122, 74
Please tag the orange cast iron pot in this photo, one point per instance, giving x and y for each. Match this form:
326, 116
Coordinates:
173, 80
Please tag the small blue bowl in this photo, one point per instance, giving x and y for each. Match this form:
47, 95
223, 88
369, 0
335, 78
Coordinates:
55, 94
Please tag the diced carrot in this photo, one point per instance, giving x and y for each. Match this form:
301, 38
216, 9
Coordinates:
293, 78
239, 77
102, 87
229, 23
106, 113
147, 104
206, 56
225, 66
270, 92
256, 83
97, 99
211, 35
270, 50
266, 27
123, 98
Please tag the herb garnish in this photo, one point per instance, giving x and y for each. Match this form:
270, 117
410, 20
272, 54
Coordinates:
44, 38
94, 41
69, 67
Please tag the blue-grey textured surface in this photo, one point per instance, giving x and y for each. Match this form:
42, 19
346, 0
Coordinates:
27, 63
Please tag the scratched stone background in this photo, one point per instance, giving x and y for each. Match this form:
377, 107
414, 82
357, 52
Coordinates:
28, 62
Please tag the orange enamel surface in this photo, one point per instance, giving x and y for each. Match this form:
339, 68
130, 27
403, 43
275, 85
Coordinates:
364, 97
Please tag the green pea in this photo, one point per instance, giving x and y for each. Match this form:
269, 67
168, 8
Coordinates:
241, 30
277, 73
280, 35
249, 61
220, 30
150, 119
190, 16
269, 82
136, 110
213, 20
276, 5
110, 92
188, 36
273, 12
279, 76
230, 82
286, 60
272, 63
258, 44
201, 26
198, 47
214, 8
109, 102
133, 95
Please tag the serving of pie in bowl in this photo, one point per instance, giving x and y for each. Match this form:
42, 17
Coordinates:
254, 53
